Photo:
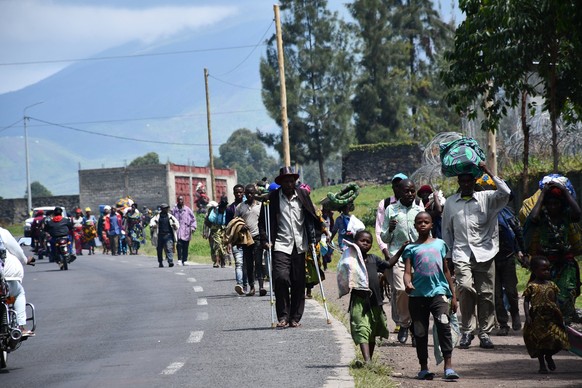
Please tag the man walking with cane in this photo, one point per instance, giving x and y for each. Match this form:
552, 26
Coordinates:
293, 226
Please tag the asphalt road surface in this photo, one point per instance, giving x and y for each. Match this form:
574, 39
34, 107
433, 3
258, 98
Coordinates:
122, 321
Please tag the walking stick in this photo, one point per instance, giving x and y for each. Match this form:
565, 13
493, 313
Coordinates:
269, 264
314, 253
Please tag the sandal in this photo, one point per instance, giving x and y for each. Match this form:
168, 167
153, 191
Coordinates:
424, 375
451, 374
28, 333
295, 324
282, 324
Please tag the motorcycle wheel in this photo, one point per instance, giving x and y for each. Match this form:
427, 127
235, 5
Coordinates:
65, 262
3, 359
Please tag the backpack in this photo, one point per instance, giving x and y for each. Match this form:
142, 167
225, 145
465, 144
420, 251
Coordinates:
507, 240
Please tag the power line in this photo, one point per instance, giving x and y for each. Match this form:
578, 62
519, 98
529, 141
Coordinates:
120, 137
151, 118
127, 56
252, 51
231, 84
11, 125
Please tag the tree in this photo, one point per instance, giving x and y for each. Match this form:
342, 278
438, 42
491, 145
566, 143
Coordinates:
377, 100
244, 152
37, 190
398, 93
501, 44
149, 159
318, 76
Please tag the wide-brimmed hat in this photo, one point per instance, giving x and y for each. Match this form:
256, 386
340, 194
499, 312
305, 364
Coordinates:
285, 171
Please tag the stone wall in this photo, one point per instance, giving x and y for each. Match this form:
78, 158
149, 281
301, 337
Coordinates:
147, 185
377, 163
14, 211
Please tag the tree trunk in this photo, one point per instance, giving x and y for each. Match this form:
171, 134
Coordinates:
553, 112
525, 130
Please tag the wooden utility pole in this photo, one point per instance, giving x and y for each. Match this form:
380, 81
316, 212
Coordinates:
212, 183
281, 60
491, 141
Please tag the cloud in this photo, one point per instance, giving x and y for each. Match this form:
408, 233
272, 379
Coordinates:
35, 30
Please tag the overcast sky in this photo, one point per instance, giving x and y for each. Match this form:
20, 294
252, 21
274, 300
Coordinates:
45, 30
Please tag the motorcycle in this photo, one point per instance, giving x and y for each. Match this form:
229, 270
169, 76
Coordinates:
62, 254
10, 334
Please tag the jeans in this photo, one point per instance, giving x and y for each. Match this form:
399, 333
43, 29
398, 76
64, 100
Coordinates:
182, 248
253, 261
15, 288
240, 271
165, 243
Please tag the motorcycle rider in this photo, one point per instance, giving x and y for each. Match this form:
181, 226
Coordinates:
13, 274
58, 226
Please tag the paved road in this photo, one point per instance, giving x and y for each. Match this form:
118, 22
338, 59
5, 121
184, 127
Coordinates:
121, 321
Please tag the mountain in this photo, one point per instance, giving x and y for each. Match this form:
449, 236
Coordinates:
139, 96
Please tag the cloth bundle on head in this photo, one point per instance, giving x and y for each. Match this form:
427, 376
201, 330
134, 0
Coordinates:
87, 209
40, 212
306, 187
461, 156
336, 201
559, 179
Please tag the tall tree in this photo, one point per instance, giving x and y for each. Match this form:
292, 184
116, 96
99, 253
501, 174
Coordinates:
418, 25
500, 44
244, 152
318, 76
399, 95
377, 100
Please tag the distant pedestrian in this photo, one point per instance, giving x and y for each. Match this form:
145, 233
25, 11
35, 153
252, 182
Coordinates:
133, 229
215, 223
240, 271
103, 228
249, 211
164, 227
187, 220
544, 331
114, 231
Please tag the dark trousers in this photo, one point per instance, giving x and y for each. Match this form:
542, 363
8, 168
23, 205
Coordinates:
289, 273
253, 262
506, 278
165, 243
114, 244
182, 248
420, 309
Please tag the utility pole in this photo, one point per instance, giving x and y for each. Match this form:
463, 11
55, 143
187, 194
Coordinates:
281, 60
26, 118
212, 183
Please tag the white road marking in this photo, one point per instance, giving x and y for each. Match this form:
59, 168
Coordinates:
202, 302
202, 316
198, 289
191, 280
172, 368
195, 337
179, 273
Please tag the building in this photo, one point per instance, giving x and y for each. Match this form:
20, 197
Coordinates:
151, 185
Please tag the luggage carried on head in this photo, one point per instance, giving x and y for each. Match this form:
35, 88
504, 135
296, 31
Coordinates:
461, 156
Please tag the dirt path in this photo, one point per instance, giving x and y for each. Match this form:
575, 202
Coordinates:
508, 365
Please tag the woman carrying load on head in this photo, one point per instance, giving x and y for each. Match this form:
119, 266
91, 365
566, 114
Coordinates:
551, 230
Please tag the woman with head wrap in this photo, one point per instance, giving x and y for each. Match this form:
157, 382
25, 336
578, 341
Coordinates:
551, 230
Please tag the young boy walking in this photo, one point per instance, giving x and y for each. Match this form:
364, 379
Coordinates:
429, 290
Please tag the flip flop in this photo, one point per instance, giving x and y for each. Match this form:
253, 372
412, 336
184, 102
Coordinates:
282, 324
295, 324
425, 375
451, 374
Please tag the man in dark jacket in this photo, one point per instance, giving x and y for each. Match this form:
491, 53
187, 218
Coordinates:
294, 226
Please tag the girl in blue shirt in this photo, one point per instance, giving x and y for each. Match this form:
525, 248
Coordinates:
429, 289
